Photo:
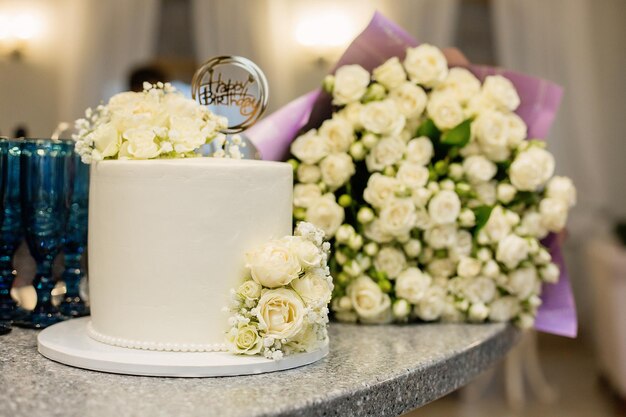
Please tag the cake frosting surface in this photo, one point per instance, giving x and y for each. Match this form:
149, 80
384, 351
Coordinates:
167, 240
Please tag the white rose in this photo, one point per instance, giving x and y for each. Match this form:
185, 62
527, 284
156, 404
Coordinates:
412, 284
426, 65
273, 264
305, 194
390, 74
562, 189
313, 288
441, 236
352, 114
141, 144
479, 289
501, 92
401, 309
281, 313
491, 269
368, 300
374, 231
308, 254
250, 290
326, 214
390, 260
431, 306
462, 83
517, 130
441, 268
464, 244
504, 309
467, 218
106, 140
444, 207
245, 340
478, 312
531, 169
410, 99
398, 217
420, 197
420, 150
350, 84
522, 282
386, 152
309, 147
380, 189
479, 169
412, 174
468, 267
337, 169
512, 250
412, 248
486, 192
553, 214
444, 109
186, 133
344, 233
550, 273
382, 117
498, 225
338, 134
308, 174
491, 129
505, 193
532, 225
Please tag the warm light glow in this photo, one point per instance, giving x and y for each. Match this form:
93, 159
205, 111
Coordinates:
18, 27
328, 29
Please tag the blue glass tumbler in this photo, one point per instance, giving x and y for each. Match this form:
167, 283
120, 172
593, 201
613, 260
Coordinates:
11, 226
75, 244
46, 186
5, 324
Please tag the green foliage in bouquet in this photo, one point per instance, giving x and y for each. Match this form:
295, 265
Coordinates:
435, 202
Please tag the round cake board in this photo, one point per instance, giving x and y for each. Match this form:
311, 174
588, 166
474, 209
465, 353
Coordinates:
68, 343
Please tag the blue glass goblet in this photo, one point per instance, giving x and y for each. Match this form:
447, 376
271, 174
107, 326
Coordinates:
73, 304
5, 325
11, 226
46, 174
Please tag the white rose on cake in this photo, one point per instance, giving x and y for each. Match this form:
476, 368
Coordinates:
281, 313
106, 140
368, 300
420, 150
245, 340
308, 254
386, 152
501, 92
325, 213
350, 84
531, 169
313, 288
140, 144
410, 99
273, 264
382, 117
426, 65
512, 250
390, 260
310, 148
250, 290
390, 74
444, 207
336, 169
338, 134
412, 284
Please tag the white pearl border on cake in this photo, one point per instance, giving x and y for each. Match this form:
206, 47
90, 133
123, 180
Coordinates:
158, 346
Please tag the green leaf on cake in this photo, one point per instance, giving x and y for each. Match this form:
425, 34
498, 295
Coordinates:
458, 135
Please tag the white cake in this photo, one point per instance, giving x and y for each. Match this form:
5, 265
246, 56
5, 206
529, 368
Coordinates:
167, 240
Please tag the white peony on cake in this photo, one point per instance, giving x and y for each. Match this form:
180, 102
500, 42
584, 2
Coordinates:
166, 245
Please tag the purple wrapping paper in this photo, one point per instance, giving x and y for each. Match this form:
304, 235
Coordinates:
381, 40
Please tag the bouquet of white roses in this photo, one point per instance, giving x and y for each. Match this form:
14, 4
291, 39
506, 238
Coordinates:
435, 201
282, 306
156, 123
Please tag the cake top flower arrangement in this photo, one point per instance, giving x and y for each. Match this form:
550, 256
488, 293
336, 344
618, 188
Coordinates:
281, 308
158, 122
436, 201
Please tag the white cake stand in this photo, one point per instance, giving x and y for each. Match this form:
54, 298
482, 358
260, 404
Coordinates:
68, 343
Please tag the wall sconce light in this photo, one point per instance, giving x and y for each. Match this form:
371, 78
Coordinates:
17, 31
325, 34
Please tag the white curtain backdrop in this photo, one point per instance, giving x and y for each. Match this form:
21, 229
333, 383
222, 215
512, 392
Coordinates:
102, 41
263, 30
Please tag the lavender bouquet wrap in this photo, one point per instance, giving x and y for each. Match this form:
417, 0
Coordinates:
381, 40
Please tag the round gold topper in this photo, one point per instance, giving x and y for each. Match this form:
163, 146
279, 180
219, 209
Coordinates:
234, 87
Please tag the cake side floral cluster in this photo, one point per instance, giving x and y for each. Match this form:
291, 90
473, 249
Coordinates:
158, 122
282, 306
435, 201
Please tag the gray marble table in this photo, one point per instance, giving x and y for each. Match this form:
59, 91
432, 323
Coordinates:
370, 371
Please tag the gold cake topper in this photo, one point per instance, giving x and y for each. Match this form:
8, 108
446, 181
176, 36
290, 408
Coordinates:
234, 87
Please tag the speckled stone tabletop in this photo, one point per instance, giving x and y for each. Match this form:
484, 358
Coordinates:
370, 371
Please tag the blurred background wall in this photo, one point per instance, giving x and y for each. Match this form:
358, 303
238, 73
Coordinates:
59, 57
